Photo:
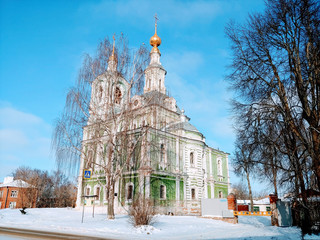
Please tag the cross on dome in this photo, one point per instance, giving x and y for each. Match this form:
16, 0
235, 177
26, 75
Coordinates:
155, 40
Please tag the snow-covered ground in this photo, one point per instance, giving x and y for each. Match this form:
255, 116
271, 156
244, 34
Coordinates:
166, 227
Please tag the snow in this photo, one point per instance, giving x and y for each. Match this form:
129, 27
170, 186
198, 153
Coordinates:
9, 182
255, 202
67, 220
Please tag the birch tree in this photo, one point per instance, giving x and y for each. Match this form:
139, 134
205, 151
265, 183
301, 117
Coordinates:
97, 122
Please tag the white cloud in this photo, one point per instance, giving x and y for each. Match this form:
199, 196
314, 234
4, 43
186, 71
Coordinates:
13, 117
24, 141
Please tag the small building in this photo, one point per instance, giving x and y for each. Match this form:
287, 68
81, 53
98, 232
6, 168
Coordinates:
258, 205
17, 194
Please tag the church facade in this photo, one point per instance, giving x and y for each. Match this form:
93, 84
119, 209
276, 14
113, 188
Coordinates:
180, 168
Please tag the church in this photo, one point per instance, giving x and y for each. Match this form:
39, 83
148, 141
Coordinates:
174, 167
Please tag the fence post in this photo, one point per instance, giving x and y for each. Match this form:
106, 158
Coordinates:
232, 205
273, 204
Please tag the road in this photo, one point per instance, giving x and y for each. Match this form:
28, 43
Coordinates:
7, 233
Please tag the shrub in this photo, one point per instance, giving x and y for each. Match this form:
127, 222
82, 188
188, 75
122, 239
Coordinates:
142, 212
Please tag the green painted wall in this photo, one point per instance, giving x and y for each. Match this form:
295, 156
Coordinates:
170, 184
209, 190
181, 190
222, 188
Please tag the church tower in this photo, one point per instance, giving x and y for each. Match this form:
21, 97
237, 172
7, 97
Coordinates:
155, 73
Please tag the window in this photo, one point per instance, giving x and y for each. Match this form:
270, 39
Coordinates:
193, 193
162, 192
220, 194
191, 159
117, 96
256, 208
98, 192
12, 205
268, 208
88, 191
162, 152
14, 193
100, 92
132, 151
1, 194
89, 159
130, 192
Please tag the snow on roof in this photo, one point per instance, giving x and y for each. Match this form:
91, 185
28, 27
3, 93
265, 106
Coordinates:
9, 182
265, 201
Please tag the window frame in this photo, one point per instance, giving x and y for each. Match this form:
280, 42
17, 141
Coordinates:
14, 205
193, 194
14, 193
191, 159
129, 185
163, 196
118, 95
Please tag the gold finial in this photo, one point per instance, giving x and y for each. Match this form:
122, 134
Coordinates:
112, 57
155, 40
114, 40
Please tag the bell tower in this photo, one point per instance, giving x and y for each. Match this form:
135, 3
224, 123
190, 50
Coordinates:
155, 73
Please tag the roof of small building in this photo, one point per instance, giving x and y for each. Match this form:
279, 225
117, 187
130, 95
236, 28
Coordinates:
15, 183
264, 201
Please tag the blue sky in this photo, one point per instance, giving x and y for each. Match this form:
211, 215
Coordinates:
42, 44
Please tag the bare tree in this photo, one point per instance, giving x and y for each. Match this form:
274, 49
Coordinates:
45, 190
243, 162
97, 122
28, 193
276, 65
240, 190
276, 76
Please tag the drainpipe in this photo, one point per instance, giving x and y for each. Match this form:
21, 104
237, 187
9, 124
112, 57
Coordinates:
5, 204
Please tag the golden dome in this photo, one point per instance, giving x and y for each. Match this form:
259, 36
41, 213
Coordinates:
155, 40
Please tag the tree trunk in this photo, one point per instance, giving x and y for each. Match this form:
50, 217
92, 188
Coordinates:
274, 172
111, 202
250, 192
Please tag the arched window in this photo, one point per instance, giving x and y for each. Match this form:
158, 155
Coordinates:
191, 159
89, 159
162, 192
193, 194
162, 153
117, 95
98, 193
100, 92
220, 194
130, 192
87, 191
